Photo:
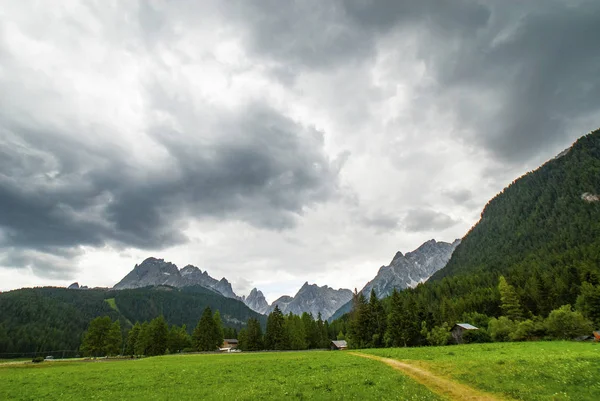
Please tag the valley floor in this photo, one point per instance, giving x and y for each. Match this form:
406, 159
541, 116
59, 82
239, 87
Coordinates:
524, 371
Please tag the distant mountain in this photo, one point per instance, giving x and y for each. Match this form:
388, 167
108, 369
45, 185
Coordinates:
411, 269
156, 272
406, 271
256, 301
313, 299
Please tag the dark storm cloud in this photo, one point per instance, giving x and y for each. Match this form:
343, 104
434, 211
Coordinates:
42, 264
261, 168
520, 76
538, 73
331, 34
418, 220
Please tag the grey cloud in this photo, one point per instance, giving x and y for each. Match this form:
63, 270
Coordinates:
524, 83
263, 168
459, 196
42, 264
518, 76
334, 34
418, 220
381, 222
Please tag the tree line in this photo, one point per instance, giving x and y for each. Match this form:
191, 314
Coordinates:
283, 332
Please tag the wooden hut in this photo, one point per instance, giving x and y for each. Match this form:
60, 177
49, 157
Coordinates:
459, 329
339, 345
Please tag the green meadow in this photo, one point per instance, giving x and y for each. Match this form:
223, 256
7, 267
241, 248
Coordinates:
553, 370
311, 375
519, 371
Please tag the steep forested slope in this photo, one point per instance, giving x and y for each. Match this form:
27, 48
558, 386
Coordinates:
540, 220
42, 319
542, 233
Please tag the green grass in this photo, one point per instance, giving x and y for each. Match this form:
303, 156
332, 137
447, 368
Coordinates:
318, 375
524, 371
111, 302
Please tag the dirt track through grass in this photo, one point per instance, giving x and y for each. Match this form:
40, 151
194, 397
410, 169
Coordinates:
440, 385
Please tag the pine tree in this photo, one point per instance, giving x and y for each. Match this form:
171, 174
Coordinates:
254, 336
218, 335
203, 338
143, 339
295, 332
511, 307
588, 302
114, 339
359, 320
276, 335
178, 339
378, 322
132, 338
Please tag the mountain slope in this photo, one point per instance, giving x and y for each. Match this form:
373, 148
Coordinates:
411, 269
406, 271
548, 217
542, 233
44, 319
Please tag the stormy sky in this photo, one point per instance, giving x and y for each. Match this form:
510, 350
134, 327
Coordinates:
273, 142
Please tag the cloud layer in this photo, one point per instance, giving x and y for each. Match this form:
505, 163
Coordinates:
310, 137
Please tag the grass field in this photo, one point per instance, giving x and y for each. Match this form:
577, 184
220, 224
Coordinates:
524, 371
317, 375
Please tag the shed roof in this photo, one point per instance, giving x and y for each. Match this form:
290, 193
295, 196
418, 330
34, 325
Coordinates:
230, 340
340, 344
466, 326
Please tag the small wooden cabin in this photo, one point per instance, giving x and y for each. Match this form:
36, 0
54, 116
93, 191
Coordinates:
338, 345
459, 329
230, 343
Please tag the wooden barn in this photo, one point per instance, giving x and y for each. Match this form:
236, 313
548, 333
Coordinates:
230, 343
338, 345
459, 329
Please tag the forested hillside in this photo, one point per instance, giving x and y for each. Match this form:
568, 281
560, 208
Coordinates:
542, 233
43, 319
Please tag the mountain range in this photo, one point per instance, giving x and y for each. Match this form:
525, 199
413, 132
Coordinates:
403, 272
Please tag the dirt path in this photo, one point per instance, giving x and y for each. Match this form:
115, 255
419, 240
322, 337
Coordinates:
439, 385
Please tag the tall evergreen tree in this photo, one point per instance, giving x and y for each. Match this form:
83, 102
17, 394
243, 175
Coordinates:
158, 336
511, 307
178, 339
276, 335
254, 336
143, 339
588, 302
359, 321
218, 329
378, 322
132, 337
204, 338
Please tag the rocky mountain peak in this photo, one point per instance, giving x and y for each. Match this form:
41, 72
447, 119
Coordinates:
313, 299
412, 268
256, 301
156, 272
